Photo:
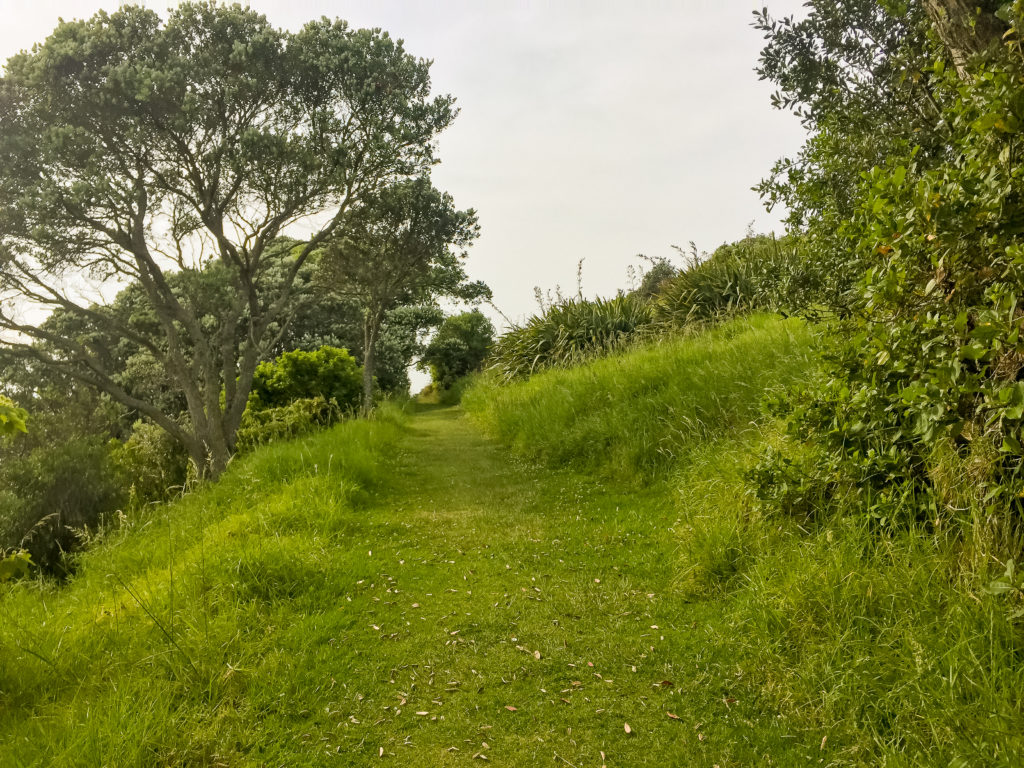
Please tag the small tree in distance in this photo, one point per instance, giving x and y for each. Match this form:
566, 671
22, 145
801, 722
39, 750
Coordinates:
458, 348
404, 246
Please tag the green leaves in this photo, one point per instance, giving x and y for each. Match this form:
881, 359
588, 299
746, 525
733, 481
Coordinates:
458, 348
923, 375
329, 373
12, 418
15, 565
570, 332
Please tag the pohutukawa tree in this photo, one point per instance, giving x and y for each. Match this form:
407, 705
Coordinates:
132, 148
404, 246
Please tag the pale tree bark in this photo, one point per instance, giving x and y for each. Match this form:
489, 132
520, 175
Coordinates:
966, 28
372, 322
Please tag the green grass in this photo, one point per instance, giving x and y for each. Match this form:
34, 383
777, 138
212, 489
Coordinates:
862, 647
308, 607
637, 415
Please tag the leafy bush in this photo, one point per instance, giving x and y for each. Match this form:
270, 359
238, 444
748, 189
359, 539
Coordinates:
12, 418
15, 565
919, 411
151, 464
299, 417
54, 495
569, 332
329, 373
458, 348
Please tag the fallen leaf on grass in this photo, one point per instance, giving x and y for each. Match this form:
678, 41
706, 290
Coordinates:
666, 684
626, 728
510, 708
673, 717
536, 655
380, 753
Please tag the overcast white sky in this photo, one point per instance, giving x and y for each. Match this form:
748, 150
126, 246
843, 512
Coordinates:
589, 128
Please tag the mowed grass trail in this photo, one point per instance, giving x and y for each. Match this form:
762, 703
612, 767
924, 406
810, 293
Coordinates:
463, 607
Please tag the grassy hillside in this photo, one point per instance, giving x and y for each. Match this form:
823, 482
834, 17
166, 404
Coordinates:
409, 591
149, 655
879, 647
636, 415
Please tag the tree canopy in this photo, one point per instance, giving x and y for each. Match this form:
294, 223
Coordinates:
459, 347
133, 148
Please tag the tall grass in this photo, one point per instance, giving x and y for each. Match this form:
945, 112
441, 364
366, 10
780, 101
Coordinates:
568, 333
168, 610
636, 414
872, 647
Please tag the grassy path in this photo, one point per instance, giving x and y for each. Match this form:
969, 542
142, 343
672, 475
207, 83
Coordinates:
468, 608
519, 615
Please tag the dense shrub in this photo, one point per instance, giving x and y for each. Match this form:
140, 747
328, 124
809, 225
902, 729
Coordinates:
458, 348
151, 465
54, 495
919, 409
569, 332
328, 373
299, 417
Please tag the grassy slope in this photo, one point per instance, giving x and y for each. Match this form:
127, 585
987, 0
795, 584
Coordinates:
870, 649
635, 416
306, 609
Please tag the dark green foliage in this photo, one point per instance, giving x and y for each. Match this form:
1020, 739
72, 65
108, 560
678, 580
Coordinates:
401, 340
569, 332
328, 373
406, 246
299, 417
150, 464
754, 273
53, 495
918, 411
458, 348
856, 74
654, 279
56, 480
